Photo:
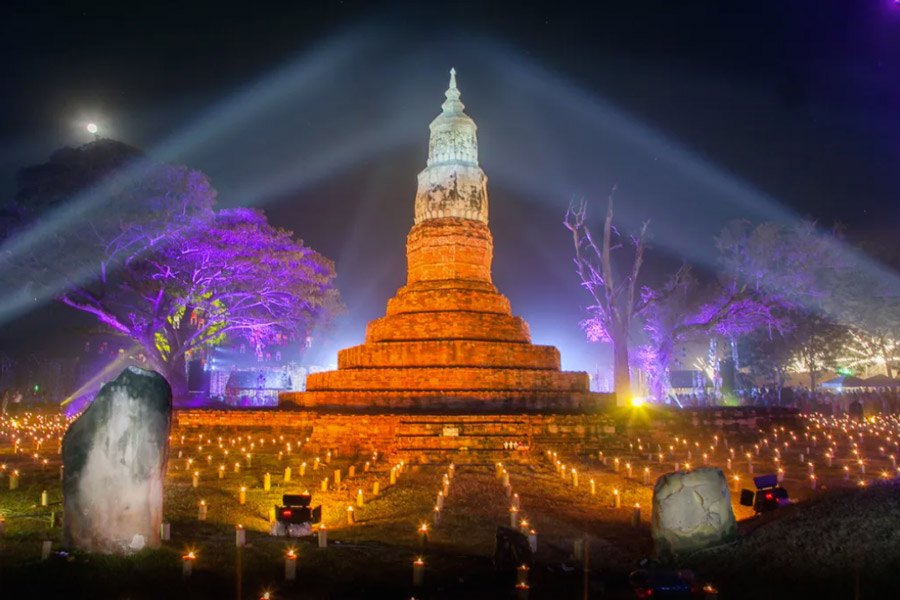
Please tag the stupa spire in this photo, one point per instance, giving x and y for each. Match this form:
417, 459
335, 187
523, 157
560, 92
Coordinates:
452, 105
452, 184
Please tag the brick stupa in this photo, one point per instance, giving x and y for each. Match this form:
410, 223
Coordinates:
449, 339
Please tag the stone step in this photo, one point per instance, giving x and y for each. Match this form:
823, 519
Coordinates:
448, 325
448, 380
449, 353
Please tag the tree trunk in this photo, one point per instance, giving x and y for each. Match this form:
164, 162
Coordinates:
738, 380
174, 373
887, 362
812, 376
621, 376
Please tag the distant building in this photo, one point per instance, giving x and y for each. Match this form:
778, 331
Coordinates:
256, 388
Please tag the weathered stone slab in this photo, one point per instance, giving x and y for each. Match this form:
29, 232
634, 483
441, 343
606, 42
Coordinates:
115, 461
691, 511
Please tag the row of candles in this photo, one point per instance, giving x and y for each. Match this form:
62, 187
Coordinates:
422, 533
570, 475
518, 523
832, 432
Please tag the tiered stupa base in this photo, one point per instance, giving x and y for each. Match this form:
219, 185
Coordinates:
449, 342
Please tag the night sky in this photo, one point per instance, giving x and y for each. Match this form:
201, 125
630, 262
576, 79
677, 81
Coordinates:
699, 111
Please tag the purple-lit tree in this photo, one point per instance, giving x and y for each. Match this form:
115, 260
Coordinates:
770, 274
616, 298
150, 258
686, 311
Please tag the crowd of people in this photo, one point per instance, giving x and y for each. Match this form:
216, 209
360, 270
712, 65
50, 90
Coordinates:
881, 400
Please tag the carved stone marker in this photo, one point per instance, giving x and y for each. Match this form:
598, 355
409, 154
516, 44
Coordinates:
115, 462
691, 511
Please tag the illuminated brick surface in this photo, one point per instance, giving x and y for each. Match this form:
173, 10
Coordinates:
449, 339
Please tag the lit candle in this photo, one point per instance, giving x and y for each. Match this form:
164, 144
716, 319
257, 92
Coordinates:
221, 471
201, 511
628, 468
242, 495
359, 498
323, 536
440, 499
780, 475
351, 516
513, 517
593, 488
436, 515
418, 572
812, 482
187, 564
240, 536
522, 574
290, 565
267, 482
14, 480
617, 499
195, 481
574, 478
393, 475
636, 515
302, 469
737, 483
423, 535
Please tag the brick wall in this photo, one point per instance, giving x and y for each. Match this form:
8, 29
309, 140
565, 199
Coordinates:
448, 379
466, 325
421, 298
449, 353
392, 434
449, 249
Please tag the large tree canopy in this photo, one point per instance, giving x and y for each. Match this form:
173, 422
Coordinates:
143, 249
